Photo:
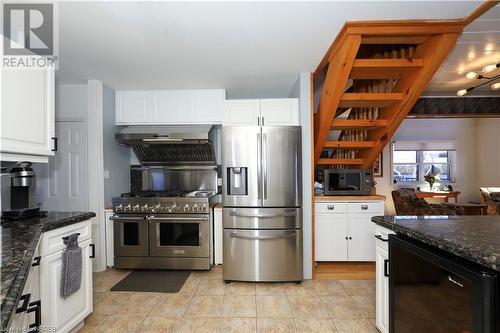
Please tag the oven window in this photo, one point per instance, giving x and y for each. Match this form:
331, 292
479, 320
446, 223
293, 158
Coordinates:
344, 181
131, 234
179, 234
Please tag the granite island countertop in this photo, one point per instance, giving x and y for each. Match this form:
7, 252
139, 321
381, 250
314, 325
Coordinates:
475, 238
19, 241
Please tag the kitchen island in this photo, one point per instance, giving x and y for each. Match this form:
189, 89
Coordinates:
438, 273
19, 243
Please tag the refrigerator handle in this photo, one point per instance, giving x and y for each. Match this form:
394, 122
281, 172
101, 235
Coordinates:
264, 163
259, 171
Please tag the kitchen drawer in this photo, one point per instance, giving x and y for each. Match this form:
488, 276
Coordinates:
366, 207
52, 241
330, 207
382, 237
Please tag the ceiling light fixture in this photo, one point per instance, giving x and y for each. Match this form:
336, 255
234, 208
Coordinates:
476, 76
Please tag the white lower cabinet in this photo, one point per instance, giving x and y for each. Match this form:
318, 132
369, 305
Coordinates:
58, 313
344, 230
382, 279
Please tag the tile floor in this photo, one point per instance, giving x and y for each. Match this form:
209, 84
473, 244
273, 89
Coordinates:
206, 304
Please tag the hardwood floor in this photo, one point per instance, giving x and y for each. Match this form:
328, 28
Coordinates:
345, 270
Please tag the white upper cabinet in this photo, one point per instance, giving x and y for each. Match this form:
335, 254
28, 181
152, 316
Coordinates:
272, 112
27, 116
170, 107
282, 111
242, 112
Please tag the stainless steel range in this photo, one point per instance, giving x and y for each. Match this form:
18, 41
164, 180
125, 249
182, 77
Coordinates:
165, 221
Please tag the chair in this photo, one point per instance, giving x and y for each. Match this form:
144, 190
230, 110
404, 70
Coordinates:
407, 203
490, 196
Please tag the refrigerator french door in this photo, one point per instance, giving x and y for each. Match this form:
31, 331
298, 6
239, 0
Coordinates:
262, 197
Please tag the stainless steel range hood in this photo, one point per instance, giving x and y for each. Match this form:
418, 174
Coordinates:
170, 145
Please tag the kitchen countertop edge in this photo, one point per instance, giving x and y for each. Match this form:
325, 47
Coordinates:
16, 287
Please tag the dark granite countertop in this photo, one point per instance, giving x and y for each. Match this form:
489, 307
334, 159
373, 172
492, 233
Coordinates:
19, 241
475, 238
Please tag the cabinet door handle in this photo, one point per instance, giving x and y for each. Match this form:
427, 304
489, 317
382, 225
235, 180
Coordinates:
37, 308
26, 300
386, 268
350, 238
92, 246
54, 138
36, 261
364, 207
262, 121
380, 237
330, 207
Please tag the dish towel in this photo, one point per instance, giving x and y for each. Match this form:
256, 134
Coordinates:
71, 277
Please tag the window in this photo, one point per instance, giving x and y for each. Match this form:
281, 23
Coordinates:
411, 164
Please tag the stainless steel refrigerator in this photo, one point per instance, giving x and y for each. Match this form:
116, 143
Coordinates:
262, 198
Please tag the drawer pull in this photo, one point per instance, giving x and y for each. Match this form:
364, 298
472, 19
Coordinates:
92, 246
36, 261
330, 207
386, 269
37, 308
380, 238
26, 300
364, 207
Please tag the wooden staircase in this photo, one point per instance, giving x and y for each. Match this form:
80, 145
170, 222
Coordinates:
374, 71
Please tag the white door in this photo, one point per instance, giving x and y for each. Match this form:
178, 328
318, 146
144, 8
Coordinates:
63, 314
173, 106
280, 112
63, 181
382, 291
330, 237
208, 106
242, 112
27, 117
361, 244
134, 107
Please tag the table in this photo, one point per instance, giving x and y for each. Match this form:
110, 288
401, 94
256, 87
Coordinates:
471, 208
439, 194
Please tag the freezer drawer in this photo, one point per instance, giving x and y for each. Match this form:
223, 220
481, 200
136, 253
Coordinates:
262, 218
262, 255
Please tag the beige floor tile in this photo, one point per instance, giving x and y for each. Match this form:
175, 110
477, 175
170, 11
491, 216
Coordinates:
198, 325
329, 287
205, 306
120, 324
314, 325
103, 281
275, 325
359, 287
211, 287
92, 322
271, 289
241, 288
343, 307
191, 284
172, 305
367, 303
354, 326
306, 288
237, 325
159, 324
273, 306
214, 273
239, 306
124, 303
308, 307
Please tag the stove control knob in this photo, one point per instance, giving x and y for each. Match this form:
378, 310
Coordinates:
119, 208
203, 208
127, 208
185, 208
144, 208
136, 208
195, 208
156, 208
172, 208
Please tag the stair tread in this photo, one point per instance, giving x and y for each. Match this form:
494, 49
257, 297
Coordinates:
384, 68
337, 161
341, 124
349, 144
367, 100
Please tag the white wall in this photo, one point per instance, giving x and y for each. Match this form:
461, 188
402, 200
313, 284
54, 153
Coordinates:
488, 152
463, 131
71, 101
302, 90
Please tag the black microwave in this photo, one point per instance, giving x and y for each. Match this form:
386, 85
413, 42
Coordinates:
348, 181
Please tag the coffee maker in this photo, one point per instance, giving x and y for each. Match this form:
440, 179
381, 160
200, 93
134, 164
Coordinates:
18, 185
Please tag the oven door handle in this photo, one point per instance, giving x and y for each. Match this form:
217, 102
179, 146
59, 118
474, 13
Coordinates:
118, 218
234, 234
177, 218
294, 214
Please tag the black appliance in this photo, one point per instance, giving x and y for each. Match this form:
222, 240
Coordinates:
434, 291
348, 181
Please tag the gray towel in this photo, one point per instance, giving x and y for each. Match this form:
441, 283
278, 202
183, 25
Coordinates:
71, 277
